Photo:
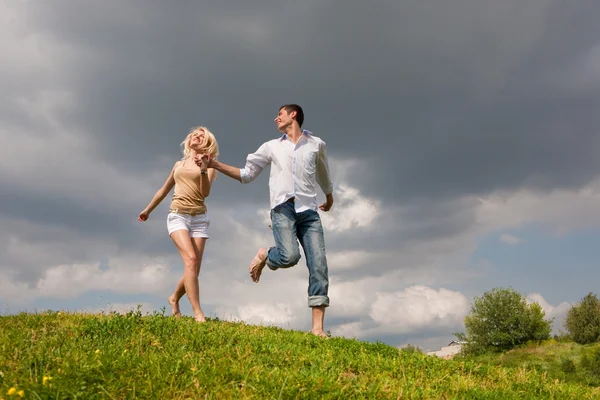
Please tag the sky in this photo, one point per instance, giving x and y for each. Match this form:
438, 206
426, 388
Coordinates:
462, 139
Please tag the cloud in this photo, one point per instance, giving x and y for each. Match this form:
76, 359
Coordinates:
350, 330
118, 275
561, 210
510, 239
268, 314
556, 313
353, 210
419, 307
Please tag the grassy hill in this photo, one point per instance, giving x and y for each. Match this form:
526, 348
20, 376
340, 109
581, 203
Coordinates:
567, 361
69, 356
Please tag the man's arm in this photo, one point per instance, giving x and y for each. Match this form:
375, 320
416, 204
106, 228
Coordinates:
255, 163
232, 172
323, 177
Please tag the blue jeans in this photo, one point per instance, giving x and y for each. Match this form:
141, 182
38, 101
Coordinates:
289, 227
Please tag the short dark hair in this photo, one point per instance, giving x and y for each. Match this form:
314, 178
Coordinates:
299, 113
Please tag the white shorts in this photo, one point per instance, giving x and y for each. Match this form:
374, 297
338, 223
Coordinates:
196, 225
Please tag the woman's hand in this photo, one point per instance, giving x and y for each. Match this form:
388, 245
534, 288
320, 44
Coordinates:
143, 216
198, 160
203, 161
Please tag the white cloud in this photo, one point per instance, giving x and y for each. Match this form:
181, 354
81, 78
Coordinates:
347, 260
351, 210
510, 239
266, 314
349, 330
419, 307
351, 299
120, 275
559, 210
559, 312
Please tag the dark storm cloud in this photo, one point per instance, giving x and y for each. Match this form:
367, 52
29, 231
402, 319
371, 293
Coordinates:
441, 98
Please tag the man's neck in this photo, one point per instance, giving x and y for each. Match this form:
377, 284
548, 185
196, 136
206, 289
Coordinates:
294, 133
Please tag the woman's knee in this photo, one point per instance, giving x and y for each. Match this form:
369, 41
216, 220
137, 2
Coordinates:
190, 260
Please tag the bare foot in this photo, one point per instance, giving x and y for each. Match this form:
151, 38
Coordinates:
175, 311
200, 318
257, 264
319, 333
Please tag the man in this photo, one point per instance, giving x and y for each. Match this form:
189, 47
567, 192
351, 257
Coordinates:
298, 162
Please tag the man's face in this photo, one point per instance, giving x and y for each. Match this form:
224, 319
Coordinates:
284, 119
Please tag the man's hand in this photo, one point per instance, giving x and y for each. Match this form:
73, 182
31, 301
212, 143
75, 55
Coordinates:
328, 203
198, 160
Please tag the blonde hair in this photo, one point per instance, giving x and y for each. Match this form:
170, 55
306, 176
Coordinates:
210, 145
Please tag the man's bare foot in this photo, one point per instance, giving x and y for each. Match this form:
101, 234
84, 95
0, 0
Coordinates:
319, 333
175, 311
257, 264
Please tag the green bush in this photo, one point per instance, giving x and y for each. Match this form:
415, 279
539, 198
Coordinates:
409, 348
563, 337
583, 320
501, 319
567, 366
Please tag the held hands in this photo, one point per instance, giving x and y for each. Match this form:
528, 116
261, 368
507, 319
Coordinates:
204, 161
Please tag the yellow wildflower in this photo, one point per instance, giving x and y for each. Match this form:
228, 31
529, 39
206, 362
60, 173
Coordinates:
21, 393
97, 351
46, 379
11, 391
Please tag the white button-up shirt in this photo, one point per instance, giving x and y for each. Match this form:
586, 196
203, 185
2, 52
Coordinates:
295, 170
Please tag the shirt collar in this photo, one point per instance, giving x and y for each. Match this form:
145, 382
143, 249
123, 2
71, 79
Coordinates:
305, 132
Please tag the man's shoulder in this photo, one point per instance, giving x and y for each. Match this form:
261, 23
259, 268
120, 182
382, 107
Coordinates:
274, 140
311, 136
318, 141
269, 143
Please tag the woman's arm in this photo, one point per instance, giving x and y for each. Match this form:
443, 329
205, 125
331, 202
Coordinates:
206, 178
159, 196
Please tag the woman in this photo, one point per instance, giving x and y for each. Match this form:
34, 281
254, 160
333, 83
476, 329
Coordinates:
187, 221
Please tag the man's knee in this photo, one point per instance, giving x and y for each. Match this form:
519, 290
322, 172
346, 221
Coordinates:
289, 259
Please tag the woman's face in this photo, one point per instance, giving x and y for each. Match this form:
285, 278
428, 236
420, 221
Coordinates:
197, 140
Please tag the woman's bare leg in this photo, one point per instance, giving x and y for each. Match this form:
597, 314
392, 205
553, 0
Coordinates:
199, 244
188, 249
175, 297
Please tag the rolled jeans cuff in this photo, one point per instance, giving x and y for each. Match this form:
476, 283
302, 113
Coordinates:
318, 301
268, 264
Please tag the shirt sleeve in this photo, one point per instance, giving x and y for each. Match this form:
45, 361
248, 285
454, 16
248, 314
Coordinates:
323, 176
255, 163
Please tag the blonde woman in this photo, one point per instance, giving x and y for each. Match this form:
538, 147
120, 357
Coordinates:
187, 221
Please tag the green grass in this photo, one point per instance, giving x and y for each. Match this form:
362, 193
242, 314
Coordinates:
134, 356
559, 360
